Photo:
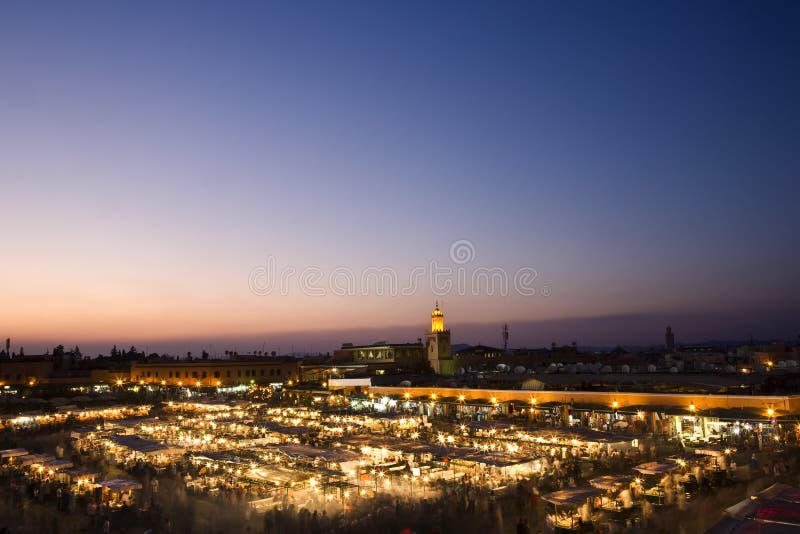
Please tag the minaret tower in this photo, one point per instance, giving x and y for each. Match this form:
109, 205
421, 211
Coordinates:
437, 342
669, 340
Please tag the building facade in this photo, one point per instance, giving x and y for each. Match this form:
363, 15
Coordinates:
383, 356
216, 373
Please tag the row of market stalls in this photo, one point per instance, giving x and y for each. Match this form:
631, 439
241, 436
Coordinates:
691, 425
620, 499
46, 468
38, 420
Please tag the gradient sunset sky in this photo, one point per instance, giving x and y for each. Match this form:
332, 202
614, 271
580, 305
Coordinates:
642, 157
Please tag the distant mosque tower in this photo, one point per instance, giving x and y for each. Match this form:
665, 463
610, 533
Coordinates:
669, 340
437, 343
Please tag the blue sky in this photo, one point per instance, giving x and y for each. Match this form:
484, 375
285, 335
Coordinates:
643, 158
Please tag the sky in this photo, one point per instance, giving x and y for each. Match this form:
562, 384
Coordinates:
302, 174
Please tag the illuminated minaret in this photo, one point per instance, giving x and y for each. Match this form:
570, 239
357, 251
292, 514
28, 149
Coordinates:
437, 319
437, 341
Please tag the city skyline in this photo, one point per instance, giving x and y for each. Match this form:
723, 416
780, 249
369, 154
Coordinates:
640, 159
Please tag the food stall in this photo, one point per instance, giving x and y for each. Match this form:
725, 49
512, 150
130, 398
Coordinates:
716, 466
80, 480
617, 499
572, 509
130, 447
118, 493
7, 454
655, 474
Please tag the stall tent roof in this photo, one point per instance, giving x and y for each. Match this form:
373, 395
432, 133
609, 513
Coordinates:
571, 496
11, 453
121, 484
610, 482
143, 446
306, 451
655, 468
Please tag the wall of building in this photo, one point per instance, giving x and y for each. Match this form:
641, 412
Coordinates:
781, 404
20, 372
215, 373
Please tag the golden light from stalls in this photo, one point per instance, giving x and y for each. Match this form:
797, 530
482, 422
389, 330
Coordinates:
462, 398
433, 396
493, 400
770, 412
219, 383
615, 404
163, 382
533, 400
692, 407
119, 381
180, 383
